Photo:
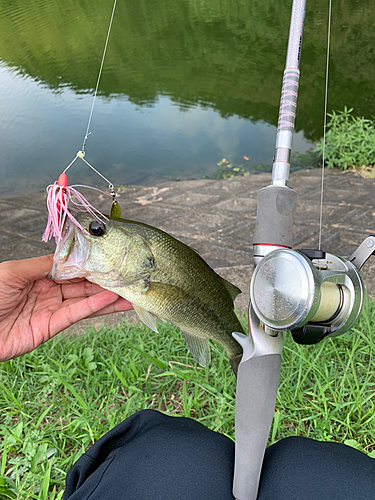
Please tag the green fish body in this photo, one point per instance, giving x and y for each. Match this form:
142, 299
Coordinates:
162, 277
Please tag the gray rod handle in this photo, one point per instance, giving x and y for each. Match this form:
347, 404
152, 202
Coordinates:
257, 384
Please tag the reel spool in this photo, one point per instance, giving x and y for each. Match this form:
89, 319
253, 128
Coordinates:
309, 292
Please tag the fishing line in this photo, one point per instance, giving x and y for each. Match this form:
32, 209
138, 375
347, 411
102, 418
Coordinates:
60, 195
81, 153
325, 123
100, 74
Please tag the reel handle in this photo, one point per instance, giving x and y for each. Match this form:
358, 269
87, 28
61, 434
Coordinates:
363, 252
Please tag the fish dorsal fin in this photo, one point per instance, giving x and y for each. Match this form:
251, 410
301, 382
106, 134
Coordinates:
199, 348
146, 317
233, 290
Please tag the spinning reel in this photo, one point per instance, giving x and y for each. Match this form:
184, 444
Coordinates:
311, 293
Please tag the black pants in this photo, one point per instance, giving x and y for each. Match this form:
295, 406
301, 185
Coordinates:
151, 456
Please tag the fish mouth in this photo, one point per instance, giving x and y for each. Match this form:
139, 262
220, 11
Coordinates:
70, 255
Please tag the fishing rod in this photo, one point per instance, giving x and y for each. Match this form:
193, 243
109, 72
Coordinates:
311, 293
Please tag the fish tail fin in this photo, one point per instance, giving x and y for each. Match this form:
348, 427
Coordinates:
234, 362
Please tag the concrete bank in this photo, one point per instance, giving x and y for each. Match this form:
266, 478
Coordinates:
217, 218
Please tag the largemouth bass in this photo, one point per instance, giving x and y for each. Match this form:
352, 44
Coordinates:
162, 277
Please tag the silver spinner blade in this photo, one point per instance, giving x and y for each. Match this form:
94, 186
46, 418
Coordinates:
257, 385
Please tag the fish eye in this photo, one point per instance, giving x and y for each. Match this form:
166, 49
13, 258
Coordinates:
97, 228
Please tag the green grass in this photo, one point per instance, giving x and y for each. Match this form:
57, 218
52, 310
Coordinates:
58, 400
350, 141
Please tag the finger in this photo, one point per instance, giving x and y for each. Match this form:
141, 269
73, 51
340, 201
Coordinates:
74, 311
27, 270
80, 290
120, 305
66, 281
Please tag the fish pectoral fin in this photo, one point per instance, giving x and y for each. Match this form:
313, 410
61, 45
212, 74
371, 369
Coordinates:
146, 317
199, 347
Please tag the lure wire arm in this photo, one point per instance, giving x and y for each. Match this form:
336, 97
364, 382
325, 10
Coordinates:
81, 156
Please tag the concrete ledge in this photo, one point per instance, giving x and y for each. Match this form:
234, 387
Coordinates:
217, 218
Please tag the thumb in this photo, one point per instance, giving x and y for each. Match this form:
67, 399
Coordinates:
27, 270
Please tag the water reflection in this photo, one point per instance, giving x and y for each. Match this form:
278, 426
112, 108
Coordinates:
185, 83
42, 130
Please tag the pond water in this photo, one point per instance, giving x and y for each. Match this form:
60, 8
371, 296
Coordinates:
185, 84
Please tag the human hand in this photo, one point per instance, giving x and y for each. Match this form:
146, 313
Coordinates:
34, 308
